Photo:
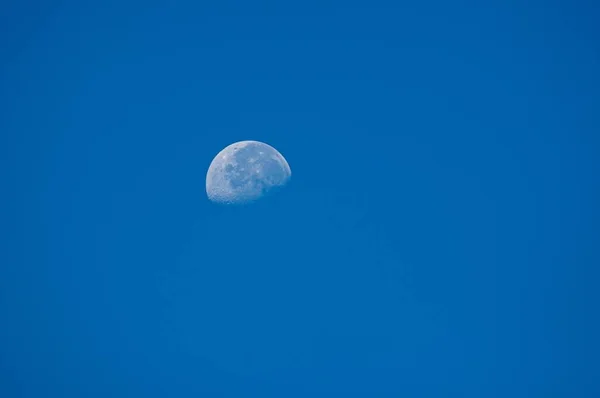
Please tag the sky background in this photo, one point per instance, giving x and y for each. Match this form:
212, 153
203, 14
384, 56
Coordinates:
438, 237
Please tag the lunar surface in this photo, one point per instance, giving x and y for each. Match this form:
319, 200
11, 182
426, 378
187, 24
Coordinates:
244, 172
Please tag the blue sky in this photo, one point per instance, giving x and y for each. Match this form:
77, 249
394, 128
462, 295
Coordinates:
438, 238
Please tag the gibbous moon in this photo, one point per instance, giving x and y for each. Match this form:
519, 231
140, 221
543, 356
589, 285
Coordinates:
244, 172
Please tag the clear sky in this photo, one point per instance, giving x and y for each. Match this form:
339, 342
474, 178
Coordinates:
438, 237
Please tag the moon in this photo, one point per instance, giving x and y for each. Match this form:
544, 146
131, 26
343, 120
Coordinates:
244, 172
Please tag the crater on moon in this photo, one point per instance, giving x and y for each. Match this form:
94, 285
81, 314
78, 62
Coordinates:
245, 171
